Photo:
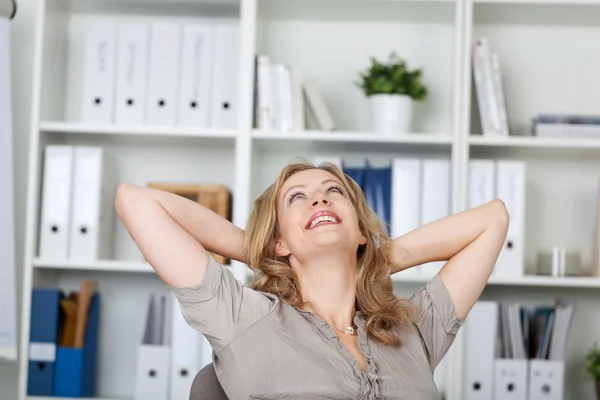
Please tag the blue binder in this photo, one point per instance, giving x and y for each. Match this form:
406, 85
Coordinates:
378, 193
75, 374
357, 174
43, 336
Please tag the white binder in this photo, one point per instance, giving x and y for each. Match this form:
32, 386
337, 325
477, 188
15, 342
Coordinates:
97, 103
56, 202
511, 376
94, 187
480, 330
511, 187
132, 73
152, 374
154, 357
546, 379
406, 201
163, 77
185, 354
224, 107
196, 71
435, 203
482, 182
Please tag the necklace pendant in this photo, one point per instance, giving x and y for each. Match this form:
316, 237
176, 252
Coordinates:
349, 330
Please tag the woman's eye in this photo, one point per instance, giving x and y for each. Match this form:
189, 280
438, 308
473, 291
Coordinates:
336, 189
295, 196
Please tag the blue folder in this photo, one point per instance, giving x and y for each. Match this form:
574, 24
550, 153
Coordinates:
75, 374
43, 336
378, 193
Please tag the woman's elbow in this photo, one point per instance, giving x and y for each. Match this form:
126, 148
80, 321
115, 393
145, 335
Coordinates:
123, 198
501, 216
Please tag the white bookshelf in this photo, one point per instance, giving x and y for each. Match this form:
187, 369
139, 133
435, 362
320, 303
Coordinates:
330, 42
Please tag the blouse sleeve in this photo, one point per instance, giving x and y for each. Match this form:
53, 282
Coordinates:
437, 322
221, 308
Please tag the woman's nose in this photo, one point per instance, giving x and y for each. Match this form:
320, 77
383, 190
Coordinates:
320, 199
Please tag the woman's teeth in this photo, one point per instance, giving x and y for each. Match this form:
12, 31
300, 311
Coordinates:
322, 219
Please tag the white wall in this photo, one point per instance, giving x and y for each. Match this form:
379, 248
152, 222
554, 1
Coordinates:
22, 33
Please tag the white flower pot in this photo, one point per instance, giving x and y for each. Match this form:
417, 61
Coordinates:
391, 113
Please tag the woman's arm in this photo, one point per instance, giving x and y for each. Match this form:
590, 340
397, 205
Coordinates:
470, 242
174, 233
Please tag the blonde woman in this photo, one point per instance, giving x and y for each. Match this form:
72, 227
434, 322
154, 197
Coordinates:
320, 320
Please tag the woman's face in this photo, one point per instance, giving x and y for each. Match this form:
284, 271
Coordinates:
313, 211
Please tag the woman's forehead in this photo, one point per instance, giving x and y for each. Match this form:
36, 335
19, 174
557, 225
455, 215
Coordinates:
309, 177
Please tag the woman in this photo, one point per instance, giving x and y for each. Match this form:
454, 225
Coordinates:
321, 320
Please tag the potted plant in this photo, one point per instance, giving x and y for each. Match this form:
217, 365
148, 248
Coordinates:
392, 88
593, 366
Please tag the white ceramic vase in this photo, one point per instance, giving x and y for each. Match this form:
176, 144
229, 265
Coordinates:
391, 113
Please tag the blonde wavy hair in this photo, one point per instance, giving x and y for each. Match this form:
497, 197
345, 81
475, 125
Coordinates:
383, 311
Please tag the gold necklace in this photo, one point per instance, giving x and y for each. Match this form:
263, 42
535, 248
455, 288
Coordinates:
349, 330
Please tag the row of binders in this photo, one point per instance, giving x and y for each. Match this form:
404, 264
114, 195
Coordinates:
411, 192
77, 218
515, 352
160, 74
167, 372
63, 343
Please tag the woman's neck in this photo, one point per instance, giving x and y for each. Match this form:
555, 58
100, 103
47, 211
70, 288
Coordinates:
328, 285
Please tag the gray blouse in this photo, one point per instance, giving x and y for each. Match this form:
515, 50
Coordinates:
266, 349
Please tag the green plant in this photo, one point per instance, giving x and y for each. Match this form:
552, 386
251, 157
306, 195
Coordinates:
392, 77
593, 362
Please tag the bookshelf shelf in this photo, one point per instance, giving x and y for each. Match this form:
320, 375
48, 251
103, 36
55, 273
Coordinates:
525, 281
96, 266
541, 2
534, 142
70, 398
352, 137
136, 132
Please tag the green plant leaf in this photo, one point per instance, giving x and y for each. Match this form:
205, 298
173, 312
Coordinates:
593, 362
392, 77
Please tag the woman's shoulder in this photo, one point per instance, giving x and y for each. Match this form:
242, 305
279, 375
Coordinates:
435, 306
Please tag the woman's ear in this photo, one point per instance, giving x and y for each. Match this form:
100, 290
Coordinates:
281, 250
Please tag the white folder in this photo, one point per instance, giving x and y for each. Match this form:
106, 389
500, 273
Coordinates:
196, 71
56, 202
511, 378
94, 186
224, 106
546, 379
152, 373
406, 201
132, 73
482, 182
480, 330
510, 188
97, 103
163, 76
435, 202
185, 353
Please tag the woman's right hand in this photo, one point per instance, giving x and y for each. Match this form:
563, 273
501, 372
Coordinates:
175, 234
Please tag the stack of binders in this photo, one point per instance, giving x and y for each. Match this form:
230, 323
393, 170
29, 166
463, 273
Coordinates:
78, 192
160, 74
64, 342
514, 352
